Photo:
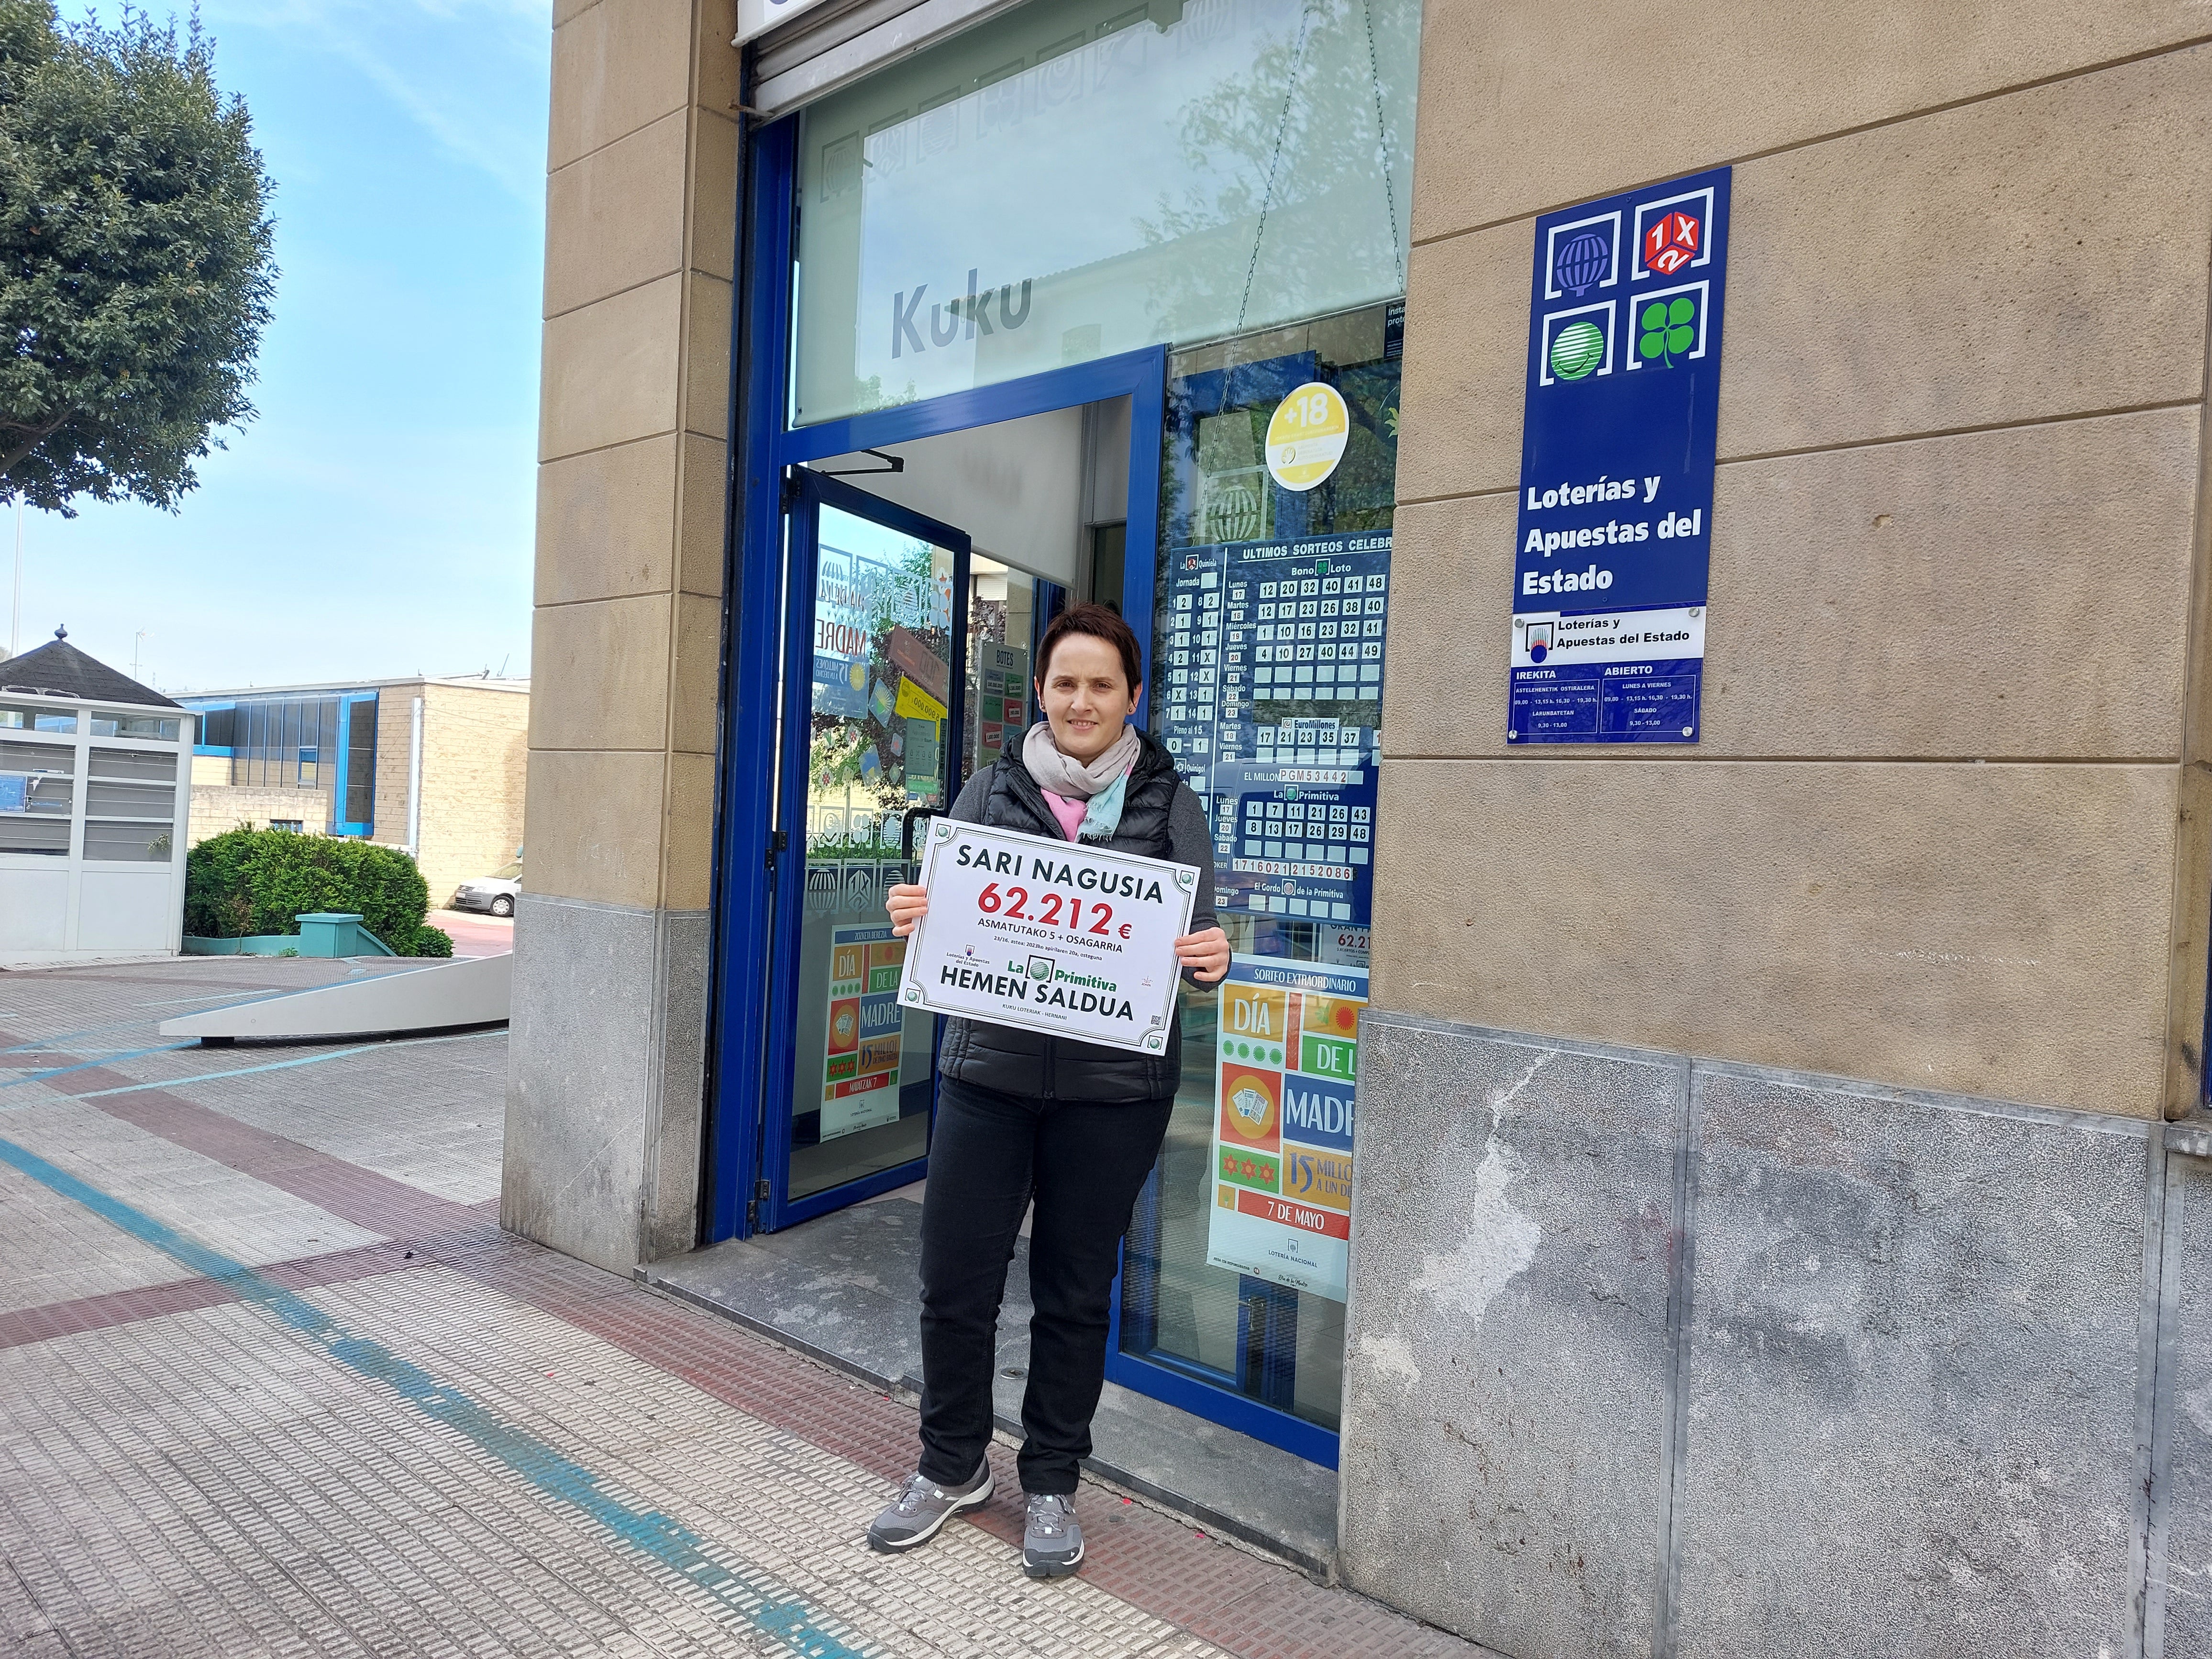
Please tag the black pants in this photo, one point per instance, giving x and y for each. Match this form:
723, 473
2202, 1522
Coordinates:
1085, 1162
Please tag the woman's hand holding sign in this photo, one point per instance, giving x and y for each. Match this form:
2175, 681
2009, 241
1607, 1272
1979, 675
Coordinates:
907, 904
1205, 953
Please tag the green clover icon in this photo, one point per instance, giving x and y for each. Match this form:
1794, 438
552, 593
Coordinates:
1668, 330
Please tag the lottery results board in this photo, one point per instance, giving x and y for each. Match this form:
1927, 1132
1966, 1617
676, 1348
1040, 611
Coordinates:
860, 1068
1285, 1073
1272, 695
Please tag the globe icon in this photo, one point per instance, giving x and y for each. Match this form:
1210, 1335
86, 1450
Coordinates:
1577, 350
1580, 262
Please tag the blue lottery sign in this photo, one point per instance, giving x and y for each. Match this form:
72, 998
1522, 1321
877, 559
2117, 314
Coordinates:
1615, 520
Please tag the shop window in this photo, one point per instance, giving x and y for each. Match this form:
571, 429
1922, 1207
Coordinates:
1079, 177
217, 730
20, 717
161, 727
361, 762
37, 793
1267, 678
119, 842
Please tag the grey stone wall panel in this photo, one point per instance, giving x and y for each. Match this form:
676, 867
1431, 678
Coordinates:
676, 1140
2182, 1600
1912, 1379
1505, 1416
580, 1077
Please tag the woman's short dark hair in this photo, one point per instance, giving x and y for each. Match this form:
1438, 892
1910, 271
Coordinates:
1099, 623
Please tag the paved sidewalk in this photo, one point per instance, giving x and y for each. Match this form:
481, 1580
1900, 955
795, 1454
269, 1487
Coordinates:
475, 933
273, 1381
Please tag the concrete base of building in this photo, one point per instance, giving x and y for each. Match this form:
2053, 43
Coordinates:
1648, 1355
604, 1090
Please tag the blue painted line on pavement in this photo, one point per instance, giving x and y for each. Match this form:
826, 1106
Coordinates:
42, 1043
744, 1590
87, 1064
279, 1064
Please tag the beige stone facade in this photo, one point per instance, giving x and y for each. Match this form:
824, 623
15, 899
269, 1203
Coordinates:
1768, 1229
1959, 425
633, 451
641, 196
475, 764
218, 805
1942, 832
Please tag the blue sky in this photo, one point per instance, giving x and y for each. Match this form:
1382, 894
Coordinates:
376, 519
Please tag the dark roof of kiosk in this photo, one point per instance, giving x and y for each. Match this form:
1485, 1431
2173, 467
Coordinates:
58, 669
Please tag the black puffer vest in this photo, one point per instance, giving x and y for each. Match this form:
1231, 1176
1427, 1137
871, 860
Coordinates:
1029, 1063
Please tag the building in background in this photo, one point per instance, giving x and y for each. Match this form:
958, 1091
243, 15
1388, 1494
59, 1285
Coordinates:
432, 765
1779, 1217
94, 795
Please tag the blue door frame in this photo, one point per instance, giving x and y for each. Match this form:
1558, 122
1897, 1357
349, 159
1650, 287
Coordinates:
810, 492
755, 1010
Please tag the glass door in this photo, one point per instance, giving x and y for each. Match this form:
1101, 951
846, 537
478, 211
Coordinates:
872, 725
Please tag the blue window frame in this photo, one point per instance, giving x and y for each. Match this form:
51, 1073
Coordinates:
212, 732
353, 782
318, 741
752, 1021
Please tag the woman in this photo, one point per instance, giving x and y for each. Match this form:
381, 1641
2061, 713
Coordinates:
1021, 1115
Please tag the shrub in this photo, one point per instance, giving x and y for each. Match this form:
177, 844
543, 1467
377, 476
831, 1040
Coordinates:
257, 881
428, 942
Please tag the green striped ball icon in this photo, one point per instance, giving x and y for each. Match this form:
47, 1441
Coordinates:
1577, 350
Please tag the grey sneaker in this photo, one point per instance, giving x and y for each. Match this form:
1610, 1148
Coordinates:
923, 1506
1052, 1542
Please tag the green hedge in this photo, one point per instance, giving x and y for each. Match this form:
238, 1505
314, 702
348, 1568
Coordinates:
257, 881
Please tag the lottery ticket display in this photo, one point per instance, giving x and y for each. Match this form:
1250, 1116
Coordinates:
1272, 697
1286, 1077
860, 1069
1002, 701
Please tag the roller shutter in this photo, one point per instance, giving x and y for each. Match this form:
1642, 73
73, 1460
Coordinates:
840, 40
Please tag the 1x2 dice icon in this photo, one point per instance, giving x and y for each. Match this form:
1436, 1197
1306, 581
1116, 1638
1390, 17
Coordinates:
1671, 242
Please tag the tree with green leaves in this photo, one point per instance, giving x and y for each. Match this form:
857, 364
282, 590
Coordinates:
134, 258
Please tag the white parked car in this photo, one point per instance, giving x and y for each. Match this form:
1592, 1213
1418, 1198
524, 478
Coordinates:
494, 893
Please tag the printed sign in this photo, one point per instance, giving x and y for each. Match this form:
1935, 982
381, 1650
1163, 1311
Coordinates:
1306, 436
860, 1066
1048, 936
1284, 1076
1614, 530
915, 703
1002, 701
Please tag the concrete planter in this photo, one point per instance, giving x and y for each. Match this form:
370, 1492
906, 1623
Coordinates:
333, 933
